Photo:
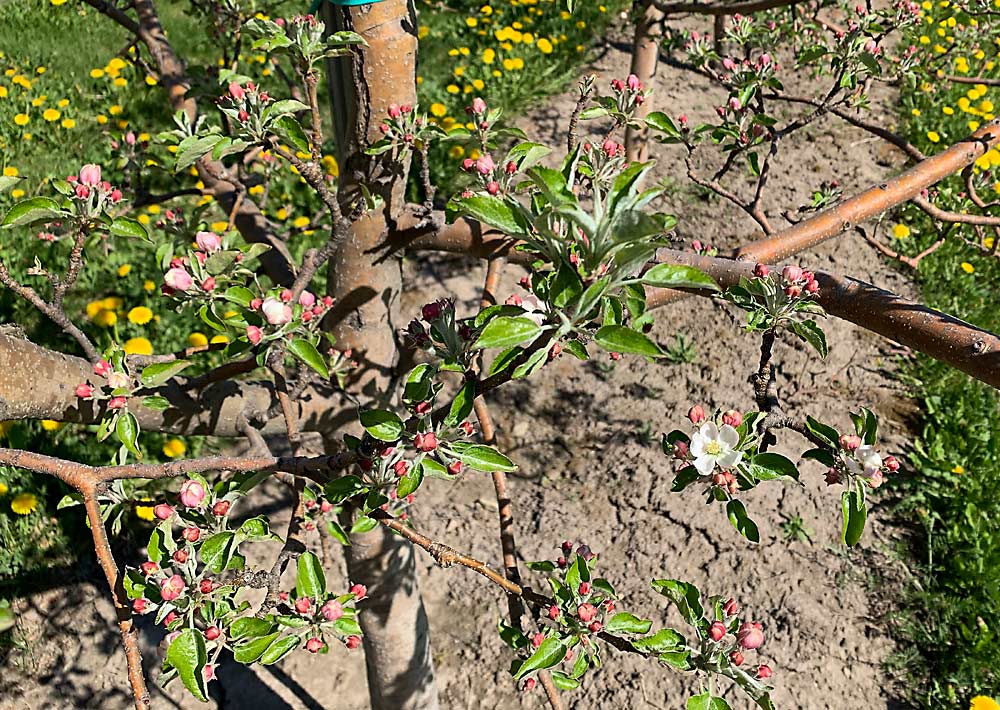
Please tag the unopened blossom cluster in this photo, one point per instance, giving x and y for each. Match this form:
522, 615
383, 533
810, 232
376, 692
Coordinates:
246, 104
714, 447
605, 161
489, 176
855, 459
114, 385
322, 615
92, 194
628, 94
730, 637
439, 332
403, 125
794, 281
187, 274
280, 312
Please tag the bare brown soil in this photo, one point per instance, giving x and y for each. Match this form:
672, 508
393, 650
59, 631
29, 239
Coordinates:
586, 439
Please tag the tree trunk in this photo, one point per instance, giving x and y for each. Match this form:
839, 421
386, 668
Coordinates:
365, 318
645, 55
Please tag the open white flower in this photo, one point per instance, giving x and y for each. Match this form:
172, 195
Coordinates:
866, 460
712, 446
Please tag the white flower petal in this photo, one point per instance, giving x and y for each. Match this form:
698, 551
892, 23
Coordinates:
709, 430
697, 444
730, 458
729, 436
704, 464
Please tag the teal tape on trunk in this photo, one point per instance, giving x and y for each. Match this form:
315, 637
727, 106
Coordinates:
316, 3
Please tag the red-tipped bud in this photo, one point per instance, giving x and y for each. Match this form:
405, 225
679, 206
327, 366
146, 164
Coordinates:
716, 631
359, 591
791, 273
731, 608
696, 414
180, 556
554, 612
764, 672
139, 605
750, 636
303, 605
425, 441
736, 658
537, 639
586, 612
891, 463
732, 417
314, 645
455, 468
212, 633
761, 271
850, 442
206, 586
221, 508
353, 642
595, 626
585, 588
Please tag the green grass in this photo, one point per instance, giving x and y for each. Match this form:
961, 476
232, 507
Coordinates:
948, 621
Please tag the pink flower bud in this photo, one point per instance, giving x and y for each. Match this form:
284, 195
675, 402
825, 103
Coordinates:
633, 82
353, 642
478, 106
149, 568
139, 605
172, 587
793, 291
485, 164
750, 636
206, 586
116, 195
84, 391
243, 116
734, 104
208, 285
180, 556
359, 591
610, 148
891, 463
208, 241
586, 612
681, 450
736, 658
178, 279
256, 303
554, 612
332, 610
728, 64
764, 672
430, 311
510, 168
617, 84
307, 299
468, 164
529, 685
212, 633
236, 91
192, 493
731, 608
716, 631
585, 588
595, 626
696, 414
791, 273
90, 174
303, 605
455, 468
761, 271
116, 403
812, 287
167, 621
118, 380
732, 418
493, 187
191, 534
425, 441
850, 442
537, 639
314, 645
221, 508
102, 368
254, 334
276, 312
394, 111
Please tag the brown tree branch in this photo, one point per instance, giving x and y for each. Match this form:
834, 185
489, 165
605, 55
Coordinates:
722, 8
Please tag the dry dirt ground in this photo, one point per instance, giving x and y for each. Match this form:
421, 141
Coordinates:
586, 439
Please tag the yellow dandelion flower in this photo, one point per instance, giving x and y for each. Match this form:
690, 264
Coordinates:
25, 503
451, 89
488, 56
50, 115
958, 469
423, 31
138, 346
3, 488
219, 340
68, 123
219, 226
106, 318
101, 119
96, 73
143, 219
438, 110
148, 285
51, 425
174, 448
144, 512
981, 702
150, 80
115, 109
281, 215
38, 101
471, 21
3, 92
900, 231
17, 194
117, 63
21, 119
456, 151
196, 340
300, 222
478, 84
544, 46
967, 267
933, 136
256, 190
140, 315
10, 171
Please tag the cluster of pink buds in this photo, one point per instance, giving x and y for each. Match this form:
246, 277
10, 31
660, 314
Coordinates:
731, 637
628, 93
91, 192
322, 615
403, 125
244, 101
798, 282
443, 333
703, 248
117, 386
857, 459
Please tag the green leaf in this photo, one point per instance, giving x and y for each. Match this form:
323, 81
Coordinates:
338, 533
382, 424
551, 652
155, 402
8, 181
279, 649
419, 383
239, 295
410, 482
685, 595
684, 478
564, 682
506, 331
808, 331
156, 375
254, 530
626, 623
660, 121
678, 276
217, 550
125, 227
769, 466
291, 130
364, 524
340, 489
309, 579
746, 527
36, 209
127, 431
461, 406
824, 456
481, 457
619, 339
824, 432
188, 655
250, 627
192, 148
249, 651
855, 512
307, 353
663, 641
707, 701
494, 211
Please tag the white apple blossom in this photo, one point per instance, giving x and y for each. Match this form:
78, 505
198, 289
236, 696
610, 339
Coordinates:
712, 446
865, 460
276, 312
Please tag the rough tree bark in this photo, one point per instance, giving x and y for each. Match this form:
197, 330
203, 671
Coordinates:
365, 318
